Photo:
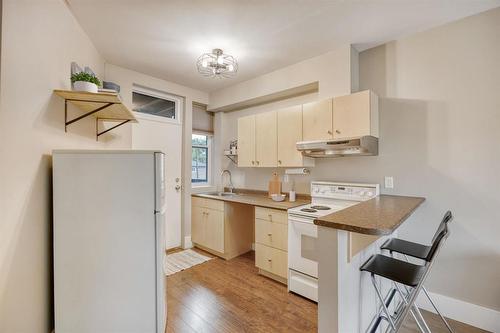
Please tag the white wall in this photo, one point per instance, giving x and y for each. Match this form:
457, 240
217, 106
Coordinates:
39, 41
126, 79
439, 120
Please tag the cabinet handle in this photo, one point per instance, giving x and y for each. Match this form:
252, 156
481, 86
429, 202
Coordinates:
270, 217
269, 260
279, 161
337, 131
270, 235
257, 162
253, 162
330, 132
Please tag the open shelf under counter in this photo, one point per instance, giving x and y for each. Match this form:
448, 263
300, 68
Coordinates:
104, 106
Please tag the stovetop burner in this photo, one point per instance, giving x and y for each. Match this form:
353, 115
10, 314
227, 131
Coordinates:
308, 210
320, 207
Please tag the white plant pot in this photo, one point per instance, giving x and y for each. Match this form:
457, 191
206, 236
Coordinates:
85, 86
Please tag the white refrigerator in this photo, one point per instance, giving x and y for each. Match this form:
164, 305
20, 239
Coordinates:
109, 241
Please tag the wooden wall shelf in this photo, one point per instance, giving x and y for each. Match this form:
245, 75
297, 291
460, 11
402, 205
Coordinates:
102, 106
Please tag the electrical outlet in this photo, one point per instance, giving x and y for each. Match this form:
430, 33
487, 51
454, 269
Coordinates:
389, 182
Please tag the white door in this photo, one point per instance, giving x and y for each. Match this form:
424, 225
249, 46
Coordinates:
162, 133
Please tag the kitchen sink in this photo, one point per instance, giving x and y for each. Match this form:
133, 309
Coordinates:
222, 194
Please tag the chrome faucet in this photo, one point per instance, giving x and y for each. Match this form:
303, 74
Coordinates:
231, 187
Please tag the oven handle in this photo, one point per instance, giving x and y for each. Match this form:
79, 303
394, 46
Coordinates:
307, 220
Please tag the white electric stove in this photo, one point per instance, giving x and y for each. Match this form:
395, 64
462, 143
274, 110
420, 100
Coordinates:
326, 198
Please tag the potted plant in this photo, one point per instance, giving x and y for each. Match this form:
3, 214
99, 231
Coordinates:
83, 81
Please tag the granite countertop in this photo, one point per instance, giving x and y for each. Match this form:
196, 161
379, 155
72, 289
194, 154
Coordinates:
256, 199
378, 216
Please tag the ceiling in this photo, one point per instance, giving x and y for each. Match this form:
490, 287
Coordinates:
165, 38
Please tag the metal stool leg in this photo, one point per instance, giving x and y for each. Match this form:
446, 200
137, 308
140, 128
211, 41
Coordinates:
417, 316
439, 312
432, 303
379, 295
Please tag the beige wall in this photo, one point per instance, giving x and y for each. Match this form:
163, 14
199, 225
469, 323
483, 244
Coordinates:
40, 39
439, 120
332, 70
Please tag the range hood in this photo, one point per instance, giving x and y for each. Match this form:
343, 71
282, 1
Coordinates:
359, 146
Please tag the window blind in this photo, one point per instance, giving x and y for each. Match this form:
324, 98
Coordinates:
203, 121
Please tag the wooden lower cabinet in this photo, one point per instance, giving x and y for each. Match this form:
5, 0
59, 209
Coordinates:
271, 260
271, 243
221, 228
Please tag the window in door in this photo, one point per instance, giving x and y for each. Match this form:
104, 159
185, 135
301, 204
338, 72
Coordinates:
200, 160
154, 105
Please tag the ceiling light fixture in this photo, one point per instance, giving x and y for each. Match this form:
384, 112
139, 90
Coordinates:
217, 64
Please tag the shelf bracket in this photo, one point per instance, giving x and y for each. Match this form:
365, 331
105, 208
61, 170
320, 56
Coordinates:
66, 122
98, 134
232, 158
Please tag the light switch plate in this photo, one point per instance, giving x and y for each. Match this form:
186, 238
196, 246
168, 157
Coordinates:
389, 182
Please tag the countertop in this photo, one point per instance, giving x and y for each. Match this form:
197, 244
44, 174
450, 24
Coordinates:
254, 199
378, 216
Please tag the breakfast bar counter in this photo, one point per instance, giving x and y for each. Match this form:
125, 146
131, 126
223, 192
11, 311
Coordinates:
378, 216
346, 239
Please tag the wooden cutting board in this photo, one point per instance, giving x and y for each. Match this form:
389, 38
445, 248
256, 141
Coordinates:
274, 185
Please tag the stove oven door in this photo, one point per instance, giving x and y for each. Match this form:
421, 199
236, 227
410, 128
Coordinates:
302, 245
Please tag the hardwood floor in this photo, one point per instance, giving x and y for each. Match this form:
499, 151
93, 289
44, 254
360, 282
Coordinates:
229, 296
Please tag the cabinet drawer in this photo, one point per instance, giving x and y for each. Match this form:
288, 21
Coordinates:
271, 260
271, 234
207, 203
273, 215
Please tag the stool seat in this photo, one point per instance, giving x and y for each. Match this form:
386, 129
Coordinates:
394, 269
411, 249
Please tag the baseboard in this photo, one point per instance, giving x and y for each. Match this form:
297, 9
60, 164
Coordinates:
253, 246
187, 242
468, 313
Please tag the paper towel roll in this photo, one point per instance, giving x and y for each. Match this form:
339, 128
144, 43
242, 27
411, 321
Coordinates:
297, 171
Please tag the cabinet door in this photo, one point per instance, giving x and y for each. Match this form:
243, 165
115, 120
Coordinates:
198, 225
351, 115
246, 141
317, 120
266, 139
289, 133
215, 230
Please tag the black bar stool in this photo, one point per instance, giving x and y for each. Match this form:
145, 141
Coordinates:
419, 251
410, 275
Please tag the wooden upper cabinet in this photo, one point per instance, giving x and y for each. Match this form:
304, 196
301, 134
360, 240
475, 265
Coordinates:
317, 120
246, 141
355, 115
289, 133
266, 139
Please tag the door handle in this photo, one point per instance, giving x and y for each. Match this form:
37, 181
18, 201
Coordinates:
177, 188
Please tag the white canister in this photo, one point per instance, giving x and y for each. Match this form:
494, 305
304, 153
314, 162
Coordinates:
291, 196
85, 86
